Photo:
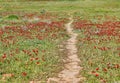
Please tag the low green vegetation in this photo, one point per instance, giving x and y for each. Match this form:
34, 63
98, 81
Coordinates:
31, 32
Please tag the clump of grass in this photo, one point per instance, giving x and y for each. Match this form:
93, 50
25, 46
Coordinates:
12, 17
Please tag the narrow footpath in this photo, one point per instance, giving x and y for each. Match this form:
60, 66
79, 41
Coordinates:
70, 73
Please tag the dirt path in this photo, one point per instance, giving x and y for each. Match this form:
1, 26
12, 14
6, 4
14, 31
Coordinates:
70, 74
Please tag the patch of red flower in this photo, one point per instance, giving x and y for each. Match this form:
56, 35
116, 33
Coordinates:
1, 32
4, 56
24, 74
35, 51
93, 72
104, 69
36, 58
97, 69
37, 63
96, 74
109, 28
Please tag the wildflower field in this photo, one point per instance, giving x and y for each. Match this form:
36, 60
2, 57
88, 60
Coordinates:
33, 36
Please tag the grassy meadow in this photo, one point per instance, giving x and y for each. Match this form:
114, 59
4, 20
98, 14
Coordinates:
32, 34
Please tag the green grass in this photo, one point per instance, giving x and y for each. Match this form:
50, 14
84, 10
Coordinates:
99, 54
57, 10
95, 58
30, 52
